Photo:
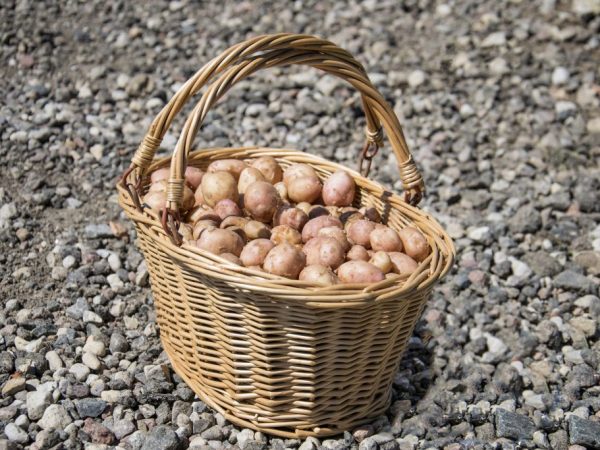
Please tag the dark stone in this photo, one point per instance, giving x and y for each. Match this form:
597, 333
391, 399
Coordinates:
526, 220
118, 343
90, 407
542, 263
512, 425
573, 281
213, 433
97, 432
162, 438
584, 432
7, 362
559, 440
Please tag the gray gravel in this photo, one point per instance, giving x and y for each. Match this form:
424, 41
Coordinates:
501, 105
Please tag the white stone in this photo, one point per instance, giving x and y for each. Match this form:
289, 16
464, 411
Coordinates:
498, 66
416, 78
97, 150
495, 345
54, 360
36, 402
585, 7
114, 262
519, 268
95, 346
494, 39
91, 361
91, 316
478, 234
593, 125
55, 418
114, 281
80, 371
560, 75
28, 346
15, 434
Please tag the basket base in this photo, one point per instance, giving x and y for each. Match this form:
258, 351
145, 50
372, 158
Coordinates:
285, 433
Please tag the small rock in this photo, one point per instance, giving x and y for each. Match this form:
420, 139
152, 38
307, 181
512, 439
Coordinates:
526, 220
80, 371
573, 281
13, 385
91, 361
94, 346
90, 407
494, 39
122, 428
37, 401
560, 75
118, 343
593, 125
368, 444
92, 317
495, 345
586, 7
97, 151
163, 438
310, 443
97, 432
54, 360
416, 78
513, 425
214, 433
363, 432
114, 281
55, 418
542, 263
15, 434
95, 231
584, 432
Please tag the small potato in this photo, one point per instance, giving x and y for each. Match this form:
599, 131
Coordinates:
202, 225
325, 251
318, 210
281, 190
257, 230
232, 166
359, 232
370, 213
312, 227
186, 231
219, 241
285, 233
254, 252
382, 261
293, 217
231, 258
188, 195
357, 253
319, 275
336, 233
298, 171
270, 169
339, 189
285, 260
261, 201
304, 189
240, 232
385, 239
201, 213
193, 177
402, 264
415, 244
199, 197
359, 272
156, 200
234, 221
217, 186
248, 176
163, 173
226, 208
304, 206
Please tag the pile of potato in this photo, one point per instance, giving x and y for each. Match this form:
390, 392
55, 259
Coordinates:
289, 223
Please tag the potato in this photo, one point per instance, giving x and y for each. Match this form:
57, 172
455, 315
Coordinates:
402, 264
231, 258
240, 232
186, 231
217, 186
226, 207
357, 253
298, 171
318, 210
248, 176
281, 190
199, 197
234, 221
254, 252
359, 232
193, 177
218, 241
232, 166
156, 200
202, 213
359, 272
162, 174
319, 275
304, 189
385, 239
261, 201
288, 215
339, 189
369, 212
382, 261
312, 227
188, 200
304, 206
325, 251
270, 169
285, 260
336, 233
415, 244
257, 230
202, 225
285, 233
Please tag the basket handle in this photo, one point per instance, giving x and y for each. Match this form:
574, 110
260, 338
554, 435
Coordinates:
411, 178
144, 155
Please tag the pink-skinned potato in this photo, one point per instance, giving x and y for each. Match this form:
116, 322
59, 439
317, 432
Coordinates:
201, 225
156, 200
293, 217
339, 189
385, 239
336, 233
248, 176
231, 258
304, 189
359, 232
193, 177
270, 169
285, 260
285, 233
217, 186
298, 171
226, 208
257, 230
232, 166
261, 201
357, 253
255, 252
359, 272
318, 274
218, 241
382, 260
324, 251
415, 244
312, 227
402, 263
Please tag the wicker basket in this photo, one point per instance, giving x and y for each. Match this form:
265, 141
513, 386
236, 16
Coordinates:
269, 353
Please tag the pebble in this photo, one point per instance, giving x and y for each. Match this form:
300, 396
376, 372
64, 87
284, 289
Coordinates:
37, 401
584, 432
92, 317
416, 78
55, 418
13, 385
114, 281
94, 346
560, 75
91, 361
162, 438
54, 361
15, 434
90, 407
80, 371
513, 425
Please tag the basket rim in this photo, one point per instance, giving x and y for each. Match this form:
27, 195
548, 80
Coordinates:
429, 271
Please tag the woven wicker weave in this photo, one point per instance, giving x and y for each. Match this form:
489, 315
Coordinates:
273, 354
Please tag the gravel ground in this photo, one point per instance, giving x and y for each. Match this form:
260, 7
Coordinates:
501, 105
